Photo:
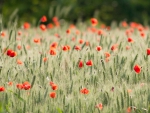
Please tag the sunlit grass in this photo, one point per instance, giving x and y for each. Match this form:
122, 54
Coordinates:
112, 82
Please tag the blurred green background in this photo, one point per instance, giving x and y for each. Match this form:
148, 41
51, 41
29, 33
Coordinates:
74, 10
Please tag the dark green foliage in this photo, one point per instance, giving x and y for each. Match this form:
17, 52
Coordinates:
73, 10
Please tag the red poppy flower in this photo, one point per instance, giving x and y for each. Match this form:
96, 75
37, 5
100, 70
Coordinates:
19, 62
137, 69
81, 41
50, 26
107, 54
84, 91
68, 31
114, 47
140, 28
26, 85
53, 45
77, 47
13, 54
44, 59
142, 34
36, 40
133, 24
26, 25
65, 48
98, 48
130, 40
19, 86
80, 65
43, 19
127, 47
19, 33
99, 32
3, 34
52, 52
42, 27
54, 87
124, 24
148, 51
2, 89
94, 21
19, 47
10, 83
129, 90
9, 52
87, 43
55, 19
99, 106
52, 95
89, 63
68, 47
129, 109
51, 83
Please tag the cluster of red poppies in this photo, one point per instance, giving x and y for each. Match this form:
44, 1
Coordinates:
54, 87
11, 53
88, 63
26, 86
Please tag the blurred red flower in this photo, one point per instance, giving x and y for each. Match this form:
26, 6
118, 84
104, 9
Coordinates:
26, 25
26, 85
19, 47
130, 40
89, 63
148, 51
19, 62
52, 52
94, 21
137, 69
98, 48
50, 26
99, 106
84, 91
54, 87
80, 65
77, 47
11, 53
2, 89
42, 27
19, 86
43, 19
37, 40
52, 95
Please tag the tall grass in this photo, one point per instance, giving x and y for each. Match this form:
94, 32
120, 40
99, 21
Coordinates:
63, 70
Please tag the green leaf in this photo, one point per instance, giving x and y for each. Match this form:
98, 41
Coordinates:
15, 94
33, 81
24, 49
10, 35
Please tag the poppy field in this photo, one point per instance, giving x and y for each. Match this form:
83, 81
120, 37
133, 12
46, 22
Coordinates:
83, 68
